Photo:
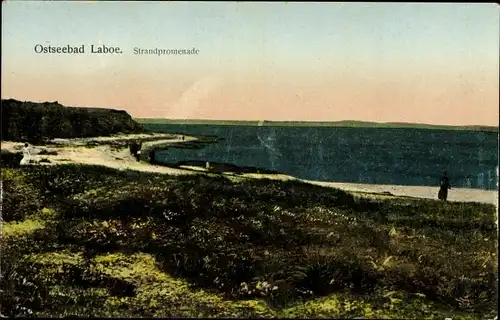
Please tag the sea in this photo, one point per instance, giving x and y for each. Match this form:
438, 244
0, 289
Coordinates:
406, 156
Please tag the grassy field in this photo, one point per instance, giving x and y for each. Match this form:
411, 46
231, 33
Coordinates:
346, 123
92, 241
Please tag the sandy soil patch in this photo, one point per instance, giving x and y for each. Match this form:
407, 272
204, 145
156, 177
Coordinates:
74, 151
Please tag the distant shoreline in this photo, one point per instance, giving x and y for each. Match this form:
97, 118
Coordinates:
333, 124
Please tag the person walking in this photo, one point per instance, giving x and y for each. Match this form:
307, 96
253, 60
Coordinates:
135, 149
444, 186
152, 156
26, 155
138, 151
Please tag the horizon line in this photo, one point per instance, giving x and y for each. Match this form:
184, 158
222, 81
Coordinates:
319, 121
263, 120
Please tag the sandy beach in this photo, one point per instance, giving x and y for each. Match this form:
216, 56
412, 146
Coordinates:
103, 153
74, 151
455, 194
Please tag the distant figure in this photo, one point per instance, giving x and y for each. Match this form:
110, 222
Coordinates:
207, 165
497, 177
135, 149
138, 153
182, 137
26, 155
152, 156
444, 186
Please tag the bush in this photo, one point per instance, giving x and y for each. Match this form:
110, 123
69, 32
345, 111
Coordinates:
10, 159
48, 152
20, 198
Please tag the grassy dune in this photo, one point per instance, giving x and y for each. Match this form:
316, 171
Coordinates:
92, 241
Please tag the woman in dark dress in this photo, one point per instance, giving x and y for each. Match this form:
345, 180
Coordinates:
444, 186
152, 156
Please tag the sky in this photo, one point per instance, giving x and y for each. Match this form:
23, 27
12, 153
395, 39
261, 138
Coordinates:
296, 61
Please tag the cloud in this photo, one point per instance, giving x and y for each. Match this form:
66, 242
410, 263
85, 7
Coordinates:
190, 104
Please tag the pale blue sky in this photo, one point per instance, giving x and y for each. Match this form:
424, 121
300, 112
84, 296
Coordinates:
277, 32
290, 42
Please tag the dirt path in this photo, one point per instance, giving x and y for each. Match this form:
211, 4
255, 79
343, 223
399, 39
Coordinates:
77, 151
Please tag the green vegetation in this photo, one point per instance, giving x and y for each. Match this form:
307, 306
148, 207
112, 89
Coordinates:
346, 123
92, 241
36, 122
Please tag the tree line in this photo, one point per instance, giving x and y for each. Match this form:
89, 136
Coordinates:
36, 122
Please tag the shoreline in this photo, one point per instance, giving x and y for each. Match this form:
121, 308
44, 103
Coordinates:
113, 152
424, 192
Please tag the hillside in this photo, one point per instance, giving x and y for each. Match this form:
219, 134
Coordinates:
35, 122
345, 123
137, 244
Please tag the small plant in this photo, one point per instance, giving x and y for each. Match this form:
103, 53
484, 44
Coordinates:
383, 265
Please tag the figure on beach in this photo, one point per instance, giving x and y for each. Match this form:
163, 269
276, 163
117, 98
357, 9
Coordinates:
135, 149
497, 177
138, 153
152, 156
444, 186
26, 155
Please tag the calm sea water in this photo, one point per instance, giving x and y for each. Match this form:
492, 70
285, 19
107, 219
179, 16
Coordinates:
361, 155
